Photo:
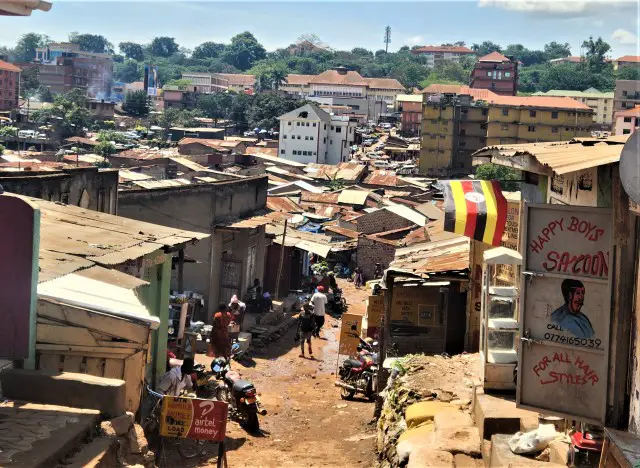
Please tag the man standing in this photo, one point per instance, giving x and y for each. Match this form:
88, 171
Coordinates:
306, 326
318, 301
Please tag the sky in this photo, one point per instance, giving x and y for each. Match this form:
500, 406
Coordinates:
342, 25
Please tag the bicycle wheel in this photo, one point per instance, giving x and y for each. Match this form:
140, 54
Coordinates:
190, 448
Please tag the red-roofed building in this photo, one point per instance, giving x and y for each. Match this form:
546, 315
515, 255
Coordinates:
496, 73
436, 55
626, 61
9, 83
627, 121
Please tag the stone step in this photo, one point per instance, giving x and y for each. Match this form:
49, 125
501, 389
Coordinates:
498, 415
65, 389
100, 452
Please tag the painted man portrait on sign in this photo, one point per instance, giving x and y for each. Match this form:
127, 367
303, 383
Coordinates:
569, 316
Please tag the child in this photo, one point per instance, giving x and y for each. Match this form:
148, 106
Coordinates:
306, 326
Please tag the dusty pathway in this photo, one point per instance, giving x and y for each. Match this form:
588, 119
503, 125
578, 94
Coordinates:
308, 424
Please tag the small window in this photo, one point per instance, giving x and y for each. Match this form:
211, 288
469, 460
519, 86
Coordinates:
488, 73
532, 113
463, 144
295, 152
485, 111
554, 115
507, 74
627, 119
483, 126
505, 111
566, 129
306, 138
284, 137
531, 128
324, 140
503, 141
297, 124
311, 138
299, 137
504, 127
554, 129
433, 136
626, 131
281, 151
331, 142
463, 132
314, 153
289, 123
465, 111
332, 127
314, 124
624, 93
307, 124
434, 121
338, 129
325, 126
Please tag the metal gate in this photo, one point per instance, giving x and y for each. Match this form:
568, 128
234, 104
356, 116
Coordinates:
231, 278
566, 310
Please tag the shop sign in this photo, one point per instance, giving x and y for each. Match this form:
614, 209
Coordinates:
193, 418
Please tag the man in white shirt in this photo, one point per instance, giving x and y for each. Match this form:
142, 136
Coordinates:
177, 379
318, 301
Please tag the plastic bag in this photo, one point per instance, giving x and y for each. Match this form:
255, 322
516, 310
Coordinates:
533, 441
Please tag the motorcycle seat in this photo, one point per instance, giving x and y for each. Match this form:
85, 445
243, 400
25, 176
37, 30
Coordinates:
352, 363
241, 385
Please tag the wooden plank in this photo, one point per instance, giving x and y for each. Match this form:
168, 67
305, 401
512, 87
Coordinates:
114, 368
133, 368
87, 354
49, 362
72, 364
64, 334
122, 344
112, 326
95, 366
64, 349
46, 321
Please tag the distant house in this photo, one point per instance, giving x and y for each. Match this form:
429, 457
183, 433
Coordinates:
410, 107
626, 61
627, 121
437, 55
178, 133
496, 73
211, 152
9, 82
310, 135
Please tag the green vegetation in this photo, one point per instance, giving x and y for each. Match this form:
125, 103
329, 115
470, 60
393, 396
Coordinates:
105, 149
68, 112
508, 178
136, 103
8, 132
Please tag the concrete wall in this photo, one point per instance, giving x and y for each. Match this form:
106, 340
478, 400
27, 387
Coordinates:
88, 187
200, 208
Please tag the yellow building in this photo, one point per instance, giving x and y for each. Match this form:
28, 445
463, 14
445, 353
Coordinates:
452, 130
514, 119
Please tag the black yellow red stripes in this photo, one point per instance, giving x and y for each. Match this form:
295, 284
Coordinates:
476, 209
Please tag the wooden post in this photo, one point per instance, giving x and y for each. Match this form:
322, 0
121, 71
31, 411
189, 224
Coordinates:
181, 271
622, 306
385, 336
284, 235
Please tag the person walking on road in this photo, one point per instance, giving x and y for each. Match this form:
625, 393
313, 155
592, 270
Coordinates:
219, 338
319, 302
306, 326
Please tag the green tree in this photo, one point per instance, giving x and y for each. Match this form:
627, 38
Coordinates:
25, 50
68, 112
8, 132
244, 51
628, 73
111, 136
1, 149
128, 71
208, 50
215, 106
29, 78
595, 53
239, 109
554, 50
411, 74
267, 107
163, 46
269, 76
180, 83
486, 48
507, 177
45, 94
136, 103
362, 52
91, 43
104, 149
132, 50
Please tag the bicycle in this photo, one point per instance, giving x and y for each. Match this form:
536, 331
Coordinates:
187, 448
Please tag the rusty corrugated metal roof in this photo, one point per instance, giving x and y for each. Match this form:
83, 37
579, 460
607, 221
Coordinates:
284, 204
327, 197
442, 256
385, 179
350, 172
343, 231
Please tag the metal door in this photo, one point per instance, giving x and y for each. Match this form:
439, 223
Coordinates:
565, 303
230, 279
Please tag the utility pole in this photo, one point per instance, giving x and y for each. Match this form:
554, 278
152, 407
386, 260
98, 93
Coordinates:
387, 38
284, 235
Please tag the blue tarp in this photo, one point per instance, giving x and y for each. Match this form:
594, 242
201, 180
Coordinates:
311, 227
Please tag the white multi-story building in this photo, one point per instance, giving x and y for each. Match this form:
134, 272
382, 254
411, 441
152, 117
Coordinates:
310, 135
340, 84
436, 55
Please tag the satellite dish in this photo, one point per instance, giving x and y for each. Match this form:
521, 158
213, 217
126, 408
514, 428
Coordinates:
630, 167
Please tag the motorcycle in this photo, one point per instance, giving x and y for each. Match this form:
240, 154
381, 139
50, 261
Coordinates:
336, 303
240, 394
359, 375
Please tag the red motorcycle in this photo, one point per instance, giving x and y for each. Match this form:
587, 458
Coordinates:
359, 375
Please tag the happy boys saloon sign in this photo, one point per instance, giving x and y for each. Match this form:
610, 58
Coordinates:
565, 310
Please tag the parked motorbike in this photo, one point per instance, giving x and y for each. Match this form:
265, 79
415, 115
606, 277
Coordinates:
360, 375
240, 394
336, 303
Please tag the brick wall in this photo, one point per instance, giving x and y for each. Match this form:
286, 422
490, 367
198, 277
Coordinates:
371, 252
381, 221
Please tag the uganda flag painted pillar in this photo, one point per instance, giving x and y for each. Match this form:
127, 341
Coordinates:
475, 209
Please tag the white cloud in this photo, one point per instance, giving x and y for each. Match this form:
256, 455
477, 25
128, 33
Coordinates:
624, 37
554, 6
414, 40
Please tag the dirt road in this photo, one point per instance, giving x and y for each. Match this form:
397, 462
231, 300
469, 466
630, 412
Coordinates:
308, 424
